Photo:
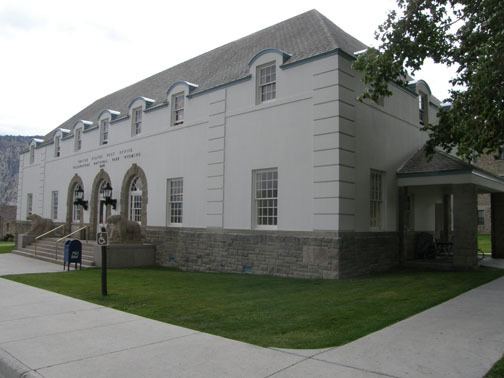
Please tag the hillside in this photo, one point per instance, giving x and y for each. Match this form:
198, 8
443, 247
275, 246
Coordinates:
10, 147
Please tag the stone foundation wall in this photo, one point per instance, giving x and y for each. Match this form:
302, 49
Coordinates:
367, 252
279, 253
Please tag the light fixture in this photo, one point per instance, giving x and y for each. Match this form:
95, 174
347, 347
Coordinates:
107, 194
79, 198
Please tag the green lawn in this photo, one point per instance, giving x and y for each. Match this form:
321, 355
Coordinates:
267, 311
485, 243
497, 370
6, 246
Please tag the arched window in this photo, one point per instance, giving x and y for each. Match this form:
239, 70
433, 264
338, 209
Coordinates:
135, 200
77, 210
32, 154
57, 146
103, 211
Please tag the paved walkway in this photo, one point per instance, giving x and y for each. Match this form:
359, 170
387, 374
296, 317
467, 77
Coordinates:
16, 264
493, 263
51, 335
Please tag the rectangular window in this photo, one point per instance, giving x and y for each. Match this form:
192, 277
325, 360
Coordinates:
29, 203
481, 217
178, 109
78, 139
54, 204
136, 126
57, 148
175, 200
32, 154
265, 184
104, 131
423, 104
375, 199
266, 82
135, 207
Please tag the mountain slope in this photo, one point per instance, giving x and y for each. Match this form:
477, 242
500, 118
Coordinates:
10, 148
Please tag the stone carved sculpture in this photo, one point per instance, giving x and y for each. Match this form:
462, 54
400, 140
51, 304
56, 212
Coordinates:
39, 225
122, 230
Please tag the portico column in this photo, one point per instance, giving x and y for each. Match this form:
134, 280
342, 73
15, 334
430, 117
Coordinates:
401, 224
497, 205
465, 226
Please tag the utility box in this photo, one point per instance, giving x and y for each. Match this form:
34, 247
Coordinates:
72, 254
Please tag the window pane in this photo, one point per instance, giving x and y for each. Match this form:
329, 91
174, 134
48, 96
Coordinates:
176, 197
375, 199
265, 197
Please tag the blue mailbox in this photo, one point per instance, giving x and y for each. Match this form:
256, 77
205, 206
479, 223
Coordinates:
72, 254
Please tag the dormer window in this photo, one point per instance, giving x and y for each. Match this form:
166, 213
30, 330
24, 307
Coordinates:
77, 139
32, 154
266, 82
136, 121
104, 131
57, 146
178, 109
423, 108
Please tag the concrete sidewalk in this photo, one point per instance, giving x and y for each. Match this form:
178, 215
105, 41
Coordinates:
51, 335
16, 264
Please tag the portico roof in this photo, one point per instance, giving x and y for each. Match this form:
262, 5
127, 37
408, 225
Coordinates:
444, 169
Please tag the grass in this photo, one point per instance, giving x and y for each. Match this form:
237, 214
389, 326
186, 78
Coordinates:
485, 243
6, 247
267, 311
497, 370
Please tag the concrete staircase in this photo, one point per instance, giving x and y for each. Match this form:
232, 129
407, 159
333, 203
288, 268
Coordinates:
46, 250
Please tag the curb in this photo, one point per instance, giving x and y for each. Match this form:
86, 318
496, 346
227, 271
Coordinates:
11, 367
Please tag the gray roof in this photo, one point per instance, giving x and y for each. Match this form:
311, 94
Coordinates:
306, 35
439, 163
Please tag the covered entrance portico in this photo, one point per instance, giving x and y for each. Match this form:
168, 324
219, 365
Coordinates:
439, 196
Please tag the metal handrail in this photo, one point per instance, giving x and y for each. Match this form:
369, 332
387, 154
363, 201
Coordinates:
70, 234
44, 234
48, 232
65, 237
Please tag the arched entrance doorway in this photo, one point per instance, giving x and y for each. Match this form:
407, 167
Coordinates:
75, 213
99, 211
134, 195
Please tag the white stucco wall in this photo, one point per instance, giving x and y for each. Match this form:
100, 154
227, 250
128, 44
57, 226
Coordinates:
322, 141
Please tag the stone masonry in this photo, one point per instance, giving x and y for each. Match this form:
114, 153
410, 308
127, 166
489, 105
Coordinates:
279, 253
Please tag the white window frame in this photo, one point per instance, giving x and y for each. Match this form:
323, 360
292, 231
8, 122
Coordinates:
104, 131
136, 121
178, 109
54, 204
135, 198
263, 84
57, 146
32, 154
29, 203
423, 108
258, 201
175, 201
376, 199
78, 139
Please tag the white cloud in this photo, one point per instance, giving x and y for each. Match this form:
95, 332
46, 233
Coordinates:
59, 56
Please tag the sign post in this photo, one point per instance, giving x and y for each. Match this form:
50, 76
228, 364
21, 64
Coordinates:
102, 239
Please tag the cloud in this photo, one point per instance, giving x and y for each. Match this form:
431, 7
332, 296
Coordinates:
109, 32
14, 19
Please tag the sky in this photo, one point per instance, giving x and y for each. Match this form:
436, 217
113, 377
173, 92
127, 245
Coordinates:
60, 56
